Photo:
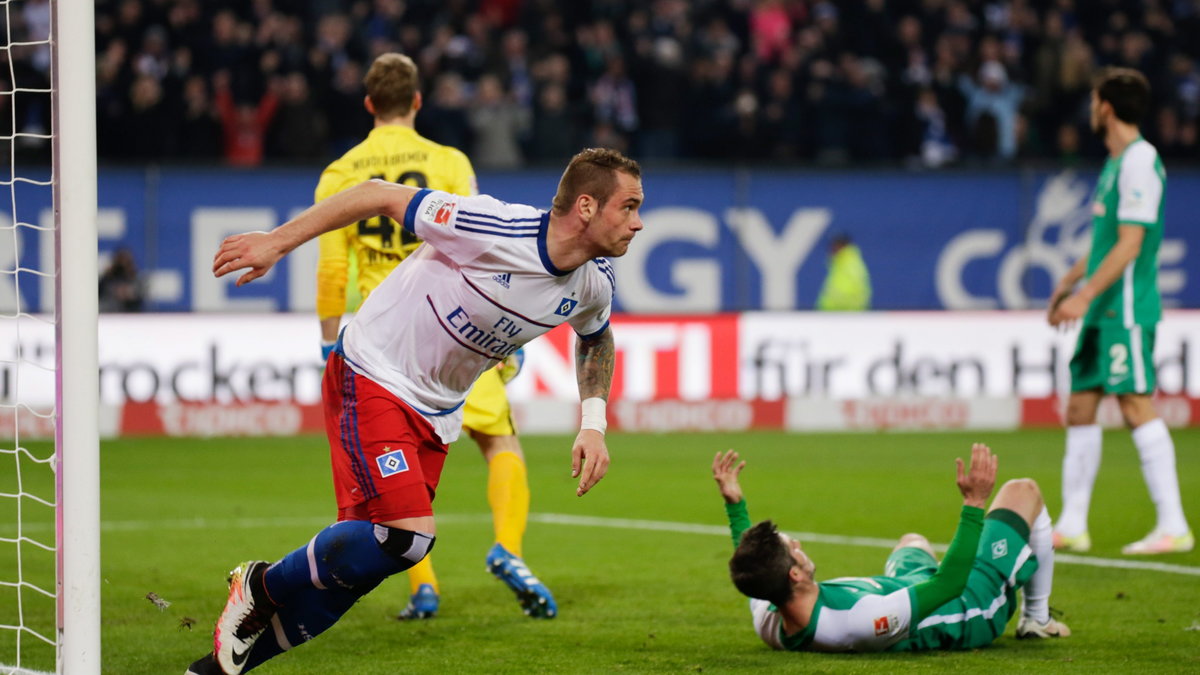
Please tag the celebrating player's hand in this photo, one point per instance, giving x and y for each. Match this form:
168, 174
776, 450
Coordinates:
255, 250
976, 483
725, 468
589, 459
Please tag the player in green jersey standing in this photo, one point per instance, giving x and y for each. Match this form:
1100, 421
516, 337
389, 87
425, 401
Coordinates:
917, 604
1120, 307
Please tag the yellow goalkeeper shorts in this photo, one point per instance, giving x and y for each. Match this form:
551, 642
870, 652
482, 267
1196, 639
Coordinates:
486, 409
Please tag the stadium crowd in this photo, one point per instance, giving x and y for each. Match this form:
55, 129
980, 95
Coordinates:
513, 82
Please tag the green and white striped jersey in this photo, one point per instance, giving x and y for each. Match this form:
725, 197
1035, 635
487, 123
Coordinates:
1130, 191
852, 614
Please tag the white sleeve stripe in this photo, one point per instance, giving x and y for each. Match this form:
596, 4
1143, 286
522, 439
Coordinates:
476, 214
487, 223
1139, 185
494, 233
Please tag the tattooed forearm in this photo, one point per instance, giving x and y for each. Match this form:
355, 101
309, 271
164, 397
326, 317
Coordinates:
594, 360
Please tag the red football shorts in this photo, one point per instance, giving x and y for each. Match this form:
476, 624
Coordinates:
386, 457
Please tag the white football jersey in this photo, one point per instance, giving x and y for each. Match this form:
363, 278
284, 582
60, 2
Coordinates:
480, 287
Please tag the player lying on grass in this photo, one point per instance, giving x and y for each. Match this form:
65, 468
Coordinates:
963, 603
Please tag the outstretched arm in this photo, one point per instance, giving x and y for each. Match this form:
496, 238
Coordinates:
594, 359
259, 251
948, 582
726, 468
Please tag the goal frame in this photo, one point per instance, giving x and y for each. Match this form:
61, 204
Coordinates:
76, 307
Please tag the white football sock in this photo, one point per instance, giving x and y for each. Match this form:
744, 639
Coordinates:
1037, 591
1080, 464
1154, 444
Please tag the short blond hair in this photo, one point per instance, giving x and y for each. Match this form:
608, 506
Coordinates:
392, 84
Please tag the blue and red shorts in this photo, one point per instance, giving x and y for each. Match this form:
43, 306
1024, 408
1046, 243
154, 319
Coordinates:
386, 457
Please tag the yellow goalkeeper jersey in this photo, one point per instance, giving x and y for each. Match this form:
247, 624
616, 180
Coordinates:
394, 153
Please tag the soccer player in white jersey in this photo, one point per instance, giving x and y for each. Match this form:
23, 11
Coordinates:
1119, 306
916, 604
490, 277
394, 151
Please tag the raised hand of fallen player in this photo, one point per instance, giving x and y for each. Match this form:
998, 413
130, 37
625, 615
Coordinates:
257, 251
725, 468
976, 483
589, 459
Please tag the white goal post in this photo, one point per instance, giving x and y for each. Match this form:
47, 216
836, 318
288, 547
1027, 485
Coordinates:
77, 444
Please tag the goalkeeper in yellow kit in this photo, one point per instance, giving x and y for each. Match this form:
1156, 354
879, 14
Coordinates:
394, 151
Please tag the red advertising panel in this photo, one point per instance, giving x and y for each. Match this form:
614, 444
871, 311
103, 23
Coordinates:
687, 358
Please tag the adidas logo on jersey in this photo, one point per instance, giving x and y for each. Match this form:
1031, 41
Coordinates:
503, 279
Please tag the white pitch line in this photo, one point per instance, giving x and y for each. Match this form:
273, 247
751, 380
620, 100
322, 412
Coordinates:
580, 521
6, 669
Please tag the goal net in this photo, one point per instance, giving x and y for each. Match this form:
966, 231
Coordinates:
49, 451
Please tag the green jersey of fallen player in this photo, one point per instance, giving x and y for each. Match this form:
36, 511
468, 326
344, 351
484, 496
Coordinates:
964, 602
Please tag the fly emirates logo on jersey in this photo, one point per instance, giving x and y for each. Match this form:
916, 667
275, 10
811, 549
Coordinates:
497, 340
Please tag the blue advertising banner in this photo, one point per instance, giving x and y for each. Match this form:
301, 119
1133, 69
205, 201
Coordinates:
715, 241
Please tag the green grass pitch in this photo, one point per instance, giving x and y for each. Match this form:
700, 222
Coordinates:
633, 596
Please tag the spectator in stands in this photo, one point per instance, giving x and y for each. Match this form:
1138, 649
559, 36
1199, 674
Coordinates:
199, 134
298, 131
148, 133
244, 125
555, 135
1185, 86
709, 104
770, 30
992, 106
513, 65
1069, 145
660, 80
346, 95
497, 123
936, 149
444, 119
865, 107
781, 118
614, 100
